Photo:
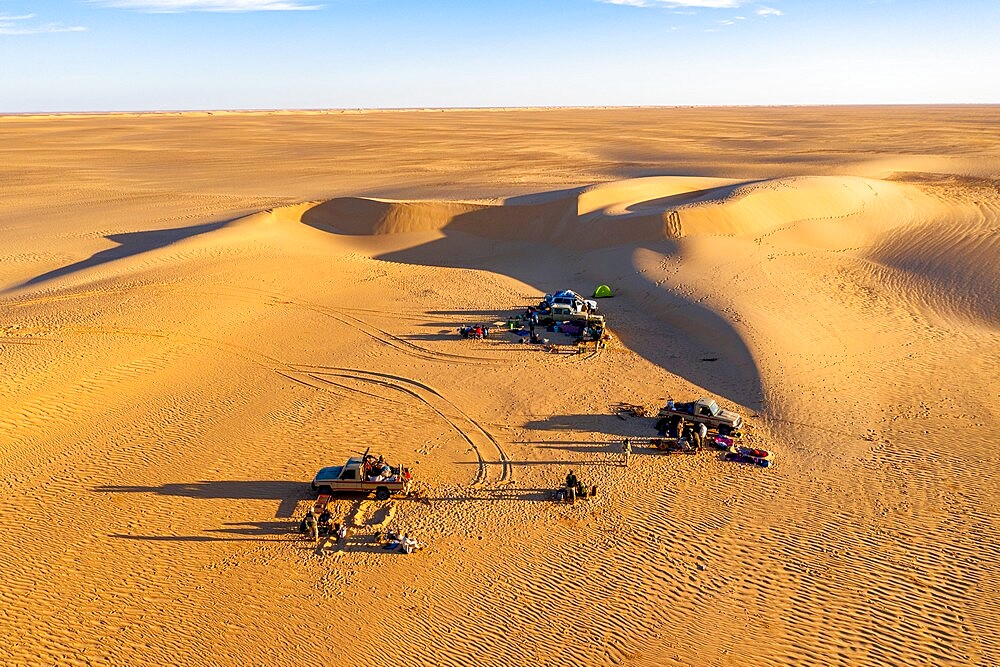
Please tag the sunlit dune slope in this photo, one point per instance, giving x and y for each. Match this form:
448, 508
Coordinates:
947, 247
631, 211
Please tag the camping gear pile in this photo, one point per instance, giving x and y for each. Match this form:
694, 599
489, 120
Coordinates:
564, 312
630, 408
750, 455
683, 430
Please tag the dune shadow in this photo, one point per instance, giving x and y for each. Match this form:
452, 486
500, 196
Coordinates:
598, 447
668, 329
543, 240
129, 244
288, 494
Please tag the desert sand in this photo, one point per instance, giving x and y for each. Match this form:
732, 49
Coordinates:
201, 310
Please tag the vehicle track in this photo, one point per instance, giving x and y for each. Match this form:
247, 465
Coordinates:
468, 428
370, 330
318, 378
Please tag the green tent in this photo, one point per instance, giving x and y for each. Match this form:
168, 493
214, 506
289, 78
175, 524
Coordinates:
602, 290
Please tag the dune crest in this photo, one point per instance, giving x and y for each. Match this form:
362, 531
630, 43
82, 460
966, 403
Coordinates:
619, 212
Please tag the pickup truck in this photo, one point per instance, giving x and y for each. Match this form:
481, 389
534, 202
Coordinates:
704, 411
563, 314
570, 299
363, 474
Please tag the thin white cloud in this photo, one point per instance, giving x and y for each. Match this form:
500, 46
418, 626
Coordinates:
704, 4
769, 11
16, 25
629, 3
177, 6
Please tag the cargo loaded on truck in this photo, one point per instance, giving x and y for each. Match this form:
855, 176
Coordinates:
364, 474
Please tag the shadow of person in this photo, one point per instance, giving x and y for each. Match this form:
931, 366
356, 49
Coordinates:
287, 493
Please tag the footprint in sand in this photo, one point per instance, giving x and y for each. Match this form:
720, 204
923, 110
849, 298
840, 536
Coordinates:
372, 515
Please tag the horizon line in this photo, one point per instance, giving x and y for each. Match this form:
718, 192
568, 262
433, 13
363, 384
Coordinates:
431, 109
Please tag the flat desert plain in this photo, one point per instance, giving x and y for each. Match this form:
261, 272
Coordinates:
201, 310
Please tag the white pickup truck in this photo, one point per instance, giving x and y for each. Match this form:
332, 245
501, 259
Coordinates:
572, 300
363, 474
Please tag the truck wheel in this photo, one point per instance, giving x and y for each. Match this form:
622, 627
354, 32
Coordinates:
725, 430
382, 493
314, 487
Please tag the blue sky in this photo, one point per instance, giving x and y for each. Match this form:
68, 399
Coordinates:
102, 55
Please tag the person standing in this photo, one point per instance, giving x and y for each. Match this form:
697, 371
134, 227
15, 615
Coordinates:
687, 434
572, 483
312, 526
342, 535
626, 451
695, 436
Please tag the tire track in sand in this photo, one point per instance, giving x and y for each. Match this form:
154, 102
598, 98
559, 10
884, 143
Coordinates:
363, 326
468, 428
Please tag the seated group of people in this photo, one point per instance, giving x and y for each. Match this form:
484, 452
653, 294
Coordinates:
375, 469
322, 526
474, 331
575, 489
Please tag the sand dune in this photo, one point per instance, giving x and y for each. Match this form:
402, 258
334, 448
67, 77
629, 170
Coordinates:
189, 333
630, 211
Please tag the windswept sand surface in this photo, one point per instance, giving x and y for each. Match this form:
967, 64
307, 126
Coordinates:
199, 311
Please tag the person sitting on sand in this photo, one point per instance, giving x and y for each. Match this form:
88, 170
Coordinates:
324, 522
408, 544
